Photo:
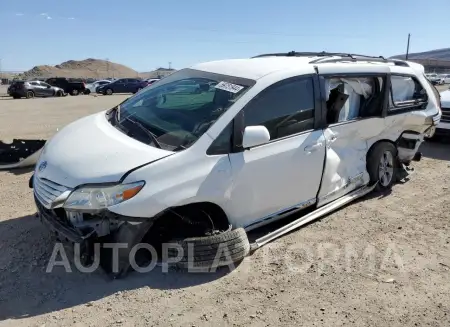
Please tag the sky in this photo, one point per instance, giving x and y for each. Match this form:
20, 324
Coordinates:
146, 34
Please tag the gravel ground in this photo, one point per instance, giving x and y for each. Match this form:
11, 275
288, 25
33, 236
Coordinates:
315, 276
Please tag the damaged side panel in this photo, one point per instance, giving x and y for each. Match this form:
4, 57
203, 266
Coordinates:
345, 167
20, 153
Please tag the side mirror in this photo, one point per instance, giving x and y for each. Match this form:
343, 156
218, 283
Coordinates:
255, 135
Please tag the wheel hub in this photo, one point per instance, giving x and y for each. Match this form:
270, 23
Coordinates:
386, 168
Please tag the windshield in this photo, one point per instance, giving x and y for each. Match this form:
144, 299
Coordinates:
178, 110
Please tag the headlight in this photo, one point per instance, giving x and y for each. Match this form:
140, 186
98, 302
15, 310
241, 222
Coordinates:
92, 198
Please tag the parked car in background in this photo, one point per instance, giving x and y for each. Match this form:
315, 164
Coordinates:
123, 85
446, 78
443, 128
69, 87
31, 89
92, 87
150, 81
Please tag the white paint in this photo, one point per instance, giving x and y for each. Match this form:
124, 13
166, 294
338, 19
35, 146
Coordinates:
445, 103
255, 135
91, 150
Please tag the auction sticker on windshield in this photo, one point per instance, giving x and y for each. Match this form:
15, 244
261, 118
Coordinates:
230, 87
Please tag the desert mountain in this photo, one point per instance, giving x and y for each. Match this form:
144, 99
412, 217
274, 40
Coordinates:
157, 73
440, 54
89, 68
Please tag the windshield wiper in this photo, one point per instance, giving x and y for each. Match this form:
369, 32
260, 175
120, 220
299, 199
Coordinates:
146, 131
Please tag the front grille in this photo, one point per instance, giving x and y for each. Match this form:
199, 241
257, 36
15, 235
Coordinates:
445, 115
47, 191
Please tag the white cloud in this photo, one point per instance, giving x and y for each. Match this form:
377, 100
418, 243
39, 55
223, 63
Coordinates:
46, 15
71, 18
19, 14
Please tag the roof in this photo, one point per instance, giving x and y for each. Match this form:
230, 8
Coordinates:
252, 68
257, 67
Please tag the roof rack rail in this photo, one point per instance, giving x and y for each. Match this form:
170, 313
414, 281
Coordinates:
314, 54
356, 59
344, 57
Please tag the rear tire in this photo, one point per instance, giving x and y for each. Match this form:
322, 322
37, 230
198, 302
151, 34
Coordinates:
30, 94
212, 251
382, 165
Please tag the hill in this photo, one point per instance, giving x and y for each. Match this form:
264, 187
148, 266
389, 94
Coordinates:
440, 54
88, 68
160, 72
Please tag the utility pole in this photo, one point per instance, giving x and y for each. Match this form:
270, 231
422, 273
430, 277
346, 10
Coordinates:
407, 47
170, 65
1, 74
107, 67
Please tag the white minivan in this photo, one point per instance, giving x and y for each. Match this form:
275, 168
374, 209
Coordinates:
254, 141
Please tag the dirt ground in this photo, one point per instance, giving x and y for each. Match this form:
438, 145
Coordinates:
383, 261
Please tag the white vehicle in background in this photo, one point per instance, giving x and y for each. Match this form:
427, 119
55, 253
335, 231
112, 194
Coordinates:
243, 143
446, 78
92, 87
435, 79
443, 129
150, 81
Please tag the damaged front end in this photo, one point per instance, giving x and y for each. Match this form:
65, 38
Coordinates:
87, 230
20, 153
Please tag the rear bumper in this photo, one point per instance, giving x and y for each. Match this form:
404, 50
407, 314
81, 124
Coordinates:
20, 93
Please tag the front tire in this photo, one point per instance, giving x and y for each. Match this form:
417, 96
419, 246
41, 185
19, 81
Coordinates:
74, 92
209, 252
108, 92
87, 92
382, 165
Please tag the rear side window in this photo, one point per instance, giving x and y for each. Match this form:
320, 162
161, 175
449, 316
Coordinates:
406, 93
285, 108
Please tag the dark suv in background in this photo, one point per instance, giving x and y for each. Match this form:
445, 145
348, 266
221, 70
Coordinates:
123, 85
69, 86
31, 89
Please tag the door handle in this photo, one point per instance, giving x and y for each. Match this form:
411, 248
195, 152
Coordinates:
314, 147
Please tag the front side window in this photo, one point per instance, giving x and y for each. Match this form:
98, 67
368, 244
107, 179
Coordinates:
285, 108
174, 113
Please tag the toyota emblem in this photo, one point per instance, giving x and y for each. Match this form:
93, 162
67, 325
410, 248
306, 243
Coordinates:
42, 166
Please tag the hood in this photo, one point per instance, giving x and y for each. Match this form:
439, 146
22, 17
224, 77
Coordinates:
91, 150
445, 99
